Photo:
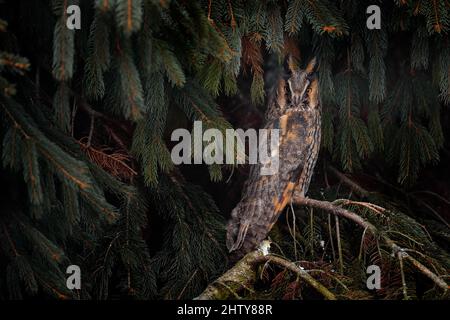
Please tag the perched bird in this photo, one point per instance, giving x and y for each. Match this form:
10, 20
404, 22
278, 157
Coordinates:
296, 111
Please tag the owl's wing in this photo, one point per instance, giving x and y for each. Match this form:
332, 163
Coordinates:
265, 196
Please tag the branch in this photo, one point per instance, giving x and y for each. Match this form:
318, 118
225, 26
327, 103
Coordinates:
341, 212
235, 279
349, 182
300, 272
328, 206
99, 115
107, 122
243, 275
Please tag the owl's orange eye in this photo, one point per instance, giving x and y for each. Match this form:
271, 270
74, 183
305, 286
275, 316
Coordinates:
308, 90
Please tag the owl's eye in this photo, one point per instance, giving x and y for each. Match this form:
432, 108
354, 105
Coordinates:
308, 90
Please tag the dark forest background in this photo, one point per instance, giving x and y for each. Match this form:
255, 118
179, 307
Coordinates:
86, 118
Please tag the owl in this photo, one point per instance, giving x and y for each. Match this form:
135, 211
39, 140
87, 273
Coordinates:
294, 110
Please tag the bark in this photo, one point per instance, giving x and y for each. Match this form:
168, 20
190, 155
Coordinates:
241, 276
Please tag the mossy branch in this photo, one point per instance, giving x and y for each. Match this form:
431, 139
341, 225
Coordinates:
235, 279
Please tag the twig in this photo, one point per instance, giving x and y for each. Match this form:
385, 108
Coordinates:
330, 235
114, 136
186, 285
328, 206
402, 273
434, 212
368, 205
363, 237
91, 132
72, 118
349, 182
409, 198
83, 104
311, 227
292, 230
325, 175
434, 194
13, 247
300, 272
338, 238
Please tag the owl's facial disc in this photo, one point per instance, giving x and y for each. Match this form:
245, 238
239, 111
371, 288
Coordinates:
299, 85
303, 86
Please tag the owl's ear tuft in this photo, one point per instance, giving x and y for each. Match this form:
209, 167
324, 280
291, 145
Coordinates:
312, 66
292, 64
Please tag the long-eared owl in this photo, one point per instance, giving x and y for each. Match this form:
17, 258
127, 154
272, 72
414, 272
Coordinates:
294, 110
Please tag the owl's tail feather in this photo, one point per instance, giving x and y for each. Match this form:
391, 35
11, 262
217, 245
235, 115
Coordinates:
244, 235
250, 223
241, 234
235, 244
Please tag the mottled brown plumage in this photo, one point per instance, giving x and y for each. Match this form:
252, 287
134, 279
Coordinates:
295, 110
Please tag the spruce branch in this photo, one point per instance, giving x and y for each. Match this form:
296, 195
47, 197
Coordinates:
128, 15
68, 168
63, 43
114, 162
341, 212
